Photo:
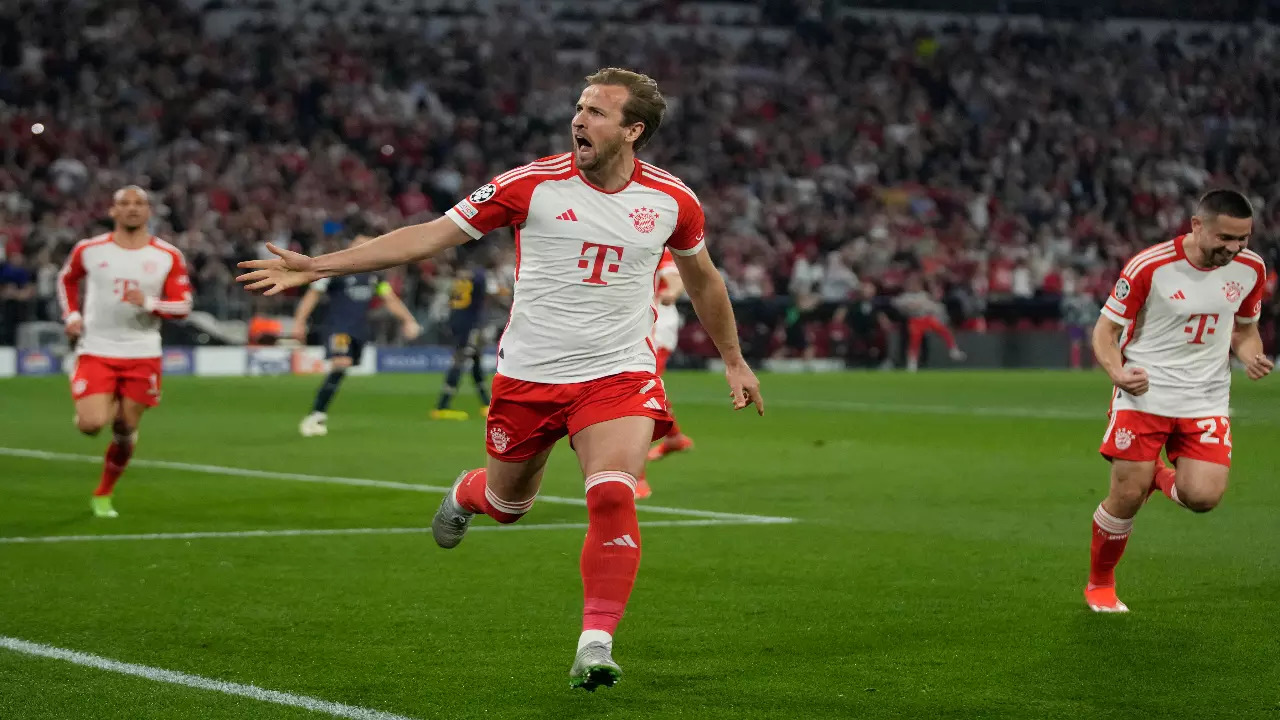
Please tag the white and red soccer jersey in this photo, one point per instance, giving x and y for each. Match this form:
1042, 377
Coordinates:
586, 262
1178, 320
114, 328
666, 323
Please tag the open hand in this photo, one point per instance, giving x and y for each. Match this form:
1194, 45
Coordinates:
1258, 367
1132, 380
287, 270
744, 388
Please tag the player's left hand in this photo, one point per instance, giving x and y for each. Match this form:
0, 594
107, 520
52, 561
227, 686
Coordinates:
134, 296
744, 388
1258, 367
411, 329
288, 270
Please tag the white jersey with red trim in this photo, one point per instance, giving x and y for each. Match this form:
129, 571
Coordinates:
666, 325
1178, 321
586, 262
114, 328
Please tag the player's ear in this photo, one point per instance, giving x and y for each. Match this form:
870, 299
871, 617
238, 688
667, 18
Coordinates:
634, 132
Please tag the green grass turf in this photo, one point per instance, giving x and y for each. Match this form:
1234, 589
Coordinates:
936, 570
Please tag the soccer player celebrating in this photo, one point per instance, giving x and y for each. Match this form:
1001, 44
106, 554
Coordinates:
347, 328
924, 314
131, 279
575, 359
1165, 337
471, 285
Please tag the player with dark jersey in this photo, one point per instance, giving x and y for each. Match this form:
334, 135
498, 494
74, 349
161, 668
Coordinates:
346, 331
471, 286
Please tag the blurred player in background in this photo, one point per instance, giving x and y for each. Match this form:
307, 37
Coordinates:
131, 279
1079, 314
575, 358
346, 330
924, 314
665, 337
472, 285
1165, 338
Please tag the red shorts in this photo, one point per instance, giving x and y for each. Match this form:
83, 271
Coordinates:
526, 418
135, 378
1138, 436
663, 355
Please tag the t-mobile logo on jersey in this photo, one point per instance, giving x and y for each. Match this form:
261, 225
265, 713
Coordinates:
598, 266
1199, 325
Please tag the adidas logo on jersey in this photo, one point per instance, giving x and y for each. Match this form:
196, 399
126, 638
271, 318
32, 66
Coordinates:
568, 215
1178, 296
624, 541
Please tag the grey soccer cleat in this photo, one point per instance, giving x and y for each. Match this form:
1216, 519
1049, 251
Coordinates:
594, 667
451, 520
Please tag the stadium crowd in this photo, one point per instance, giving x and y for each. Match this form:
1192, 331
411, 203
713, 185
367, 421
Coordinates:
1011, 171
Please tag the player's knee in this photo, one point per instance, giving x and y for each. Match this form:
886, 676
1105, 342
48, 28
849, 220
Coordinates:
340, 364
1199, 501
91, 424
1130, 495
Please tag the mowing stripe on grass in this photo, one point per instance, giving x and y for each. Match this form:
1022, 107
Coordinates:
195, 681
343, 531
364, 482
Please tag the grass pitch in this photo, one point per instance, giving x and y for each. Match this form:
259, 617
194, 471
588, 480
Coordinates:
934, 570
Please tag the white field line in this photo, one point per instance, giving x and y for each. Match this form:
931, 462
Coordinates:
342, 531
195, 681
365, 482
1035, 413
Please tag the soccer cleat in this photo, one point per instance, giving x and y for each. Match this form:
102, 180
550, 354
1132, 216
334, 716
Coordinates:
314, 425
448, 414
957, 354
451, 520
642, 489
666, 447
1103, 600
101, 505
594, 667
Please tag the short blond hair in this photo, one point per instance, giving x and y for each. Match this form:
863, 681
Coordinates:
645, 103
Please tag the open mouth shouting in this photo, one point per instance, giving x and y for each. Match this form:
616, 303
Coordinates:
583, 150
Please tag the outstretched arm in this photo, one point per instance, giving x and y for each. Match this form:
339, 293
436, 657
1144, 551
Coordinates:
711, 303
398, 247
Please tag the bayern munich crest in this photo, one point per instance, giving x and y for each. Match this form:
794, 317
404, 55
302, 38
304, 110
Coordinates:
482, 193
644, 219
1232, 290
499, 438
1124, 438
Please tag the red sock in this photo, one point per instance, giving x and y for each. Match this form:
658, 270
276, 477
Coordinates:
611, 552
474, 495
1110, 535
1164, 482
674, 433
114, 462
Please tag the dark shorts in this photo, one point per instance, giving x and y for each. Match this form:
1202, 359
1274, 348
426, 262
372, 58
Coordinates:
343, 345
466, 334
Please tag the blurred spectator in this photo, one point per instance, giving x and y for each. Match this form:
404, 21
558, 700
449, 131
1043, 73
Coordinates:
826, 153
